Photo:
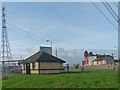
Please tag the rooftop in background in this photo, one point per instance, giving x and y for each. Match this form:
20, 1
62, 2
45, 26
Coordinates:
98, 55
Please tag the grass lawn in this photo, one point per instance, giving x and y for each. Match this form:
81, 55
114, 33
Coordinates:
90, 79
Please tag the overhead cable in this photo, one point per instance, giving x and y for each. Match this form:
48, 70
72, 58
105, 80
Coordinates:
110, 11
103, 14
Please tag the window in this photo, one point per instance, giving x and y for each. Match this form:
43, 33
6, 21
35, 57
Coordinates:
24, 67
33, 64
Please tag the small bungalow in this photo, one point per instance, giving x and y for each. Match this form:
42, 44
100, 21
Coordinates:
42, 63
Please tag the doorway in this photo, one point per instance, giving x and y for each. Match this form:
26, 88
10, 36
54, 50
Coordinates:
28, 68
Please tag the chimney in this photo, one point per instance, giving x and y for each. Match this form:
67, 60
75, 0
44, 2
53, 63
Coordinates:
85, 54
112, 54
90, 54
97, 55
104, 54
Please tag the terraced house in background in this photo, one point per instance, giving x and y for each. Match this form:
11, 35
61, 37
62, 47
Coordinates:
96, 59
42, 63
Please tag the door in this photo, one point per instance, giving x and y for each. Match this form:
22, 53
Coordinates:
28, 68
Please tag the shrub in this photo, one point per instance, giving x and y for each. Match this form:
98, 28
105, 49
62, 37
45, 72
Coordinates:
5, 78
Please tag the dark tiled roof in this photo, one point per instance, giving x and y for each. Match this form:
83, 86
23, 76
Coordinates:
98, 59
42, 57
103, 58
115, 60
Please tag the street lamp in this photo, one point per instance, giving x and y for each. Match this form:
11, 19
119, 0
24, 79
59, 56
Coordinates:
82, 68
83, 54
51, 44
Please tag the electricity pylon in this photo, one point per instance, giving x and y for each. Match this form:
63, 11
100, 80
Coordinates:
5, 48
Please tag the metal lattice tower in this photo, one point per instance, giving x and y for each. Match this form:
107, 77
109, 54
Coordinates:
5, 48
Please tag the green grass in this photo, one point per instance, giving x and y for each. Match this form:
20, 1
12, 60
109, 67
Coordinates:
91, 79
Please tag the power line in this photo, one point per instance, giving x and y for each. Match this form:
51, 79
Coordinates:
103, 14
53, 36
37, 37
29, 26
118, 9
25, 32
109, 11
115, 3
111, 8
36, 28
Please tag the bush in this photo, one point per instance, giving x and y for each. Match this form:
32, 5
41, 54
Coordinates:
5, 78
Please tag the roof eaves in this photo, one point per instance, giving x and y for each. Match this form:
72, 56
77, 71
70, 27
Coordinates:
25, 62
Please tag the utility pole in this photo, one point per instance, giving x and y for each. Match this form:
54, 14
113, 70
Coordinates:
67, 67
118, 35
51, 44
56, 52
5, 48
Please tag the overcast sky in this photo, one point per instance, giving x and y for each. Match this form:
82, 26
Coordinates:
71, 27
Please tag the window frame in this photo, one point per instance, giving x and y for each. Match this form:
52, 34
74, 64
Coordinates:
97, 62
24, 66
33, 66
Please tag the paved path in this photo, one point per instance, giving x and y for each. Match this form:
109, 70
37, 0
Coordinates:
101, 70
11, 74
